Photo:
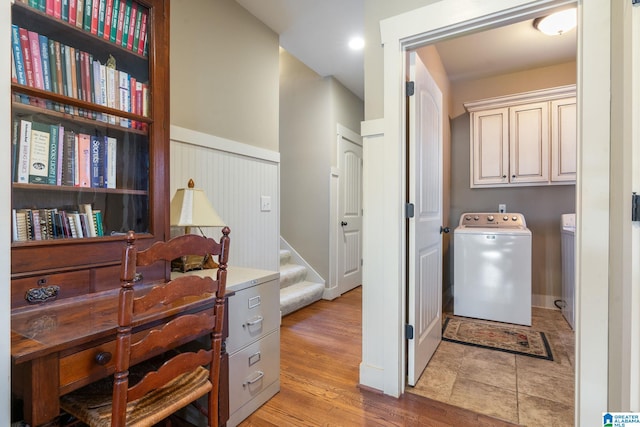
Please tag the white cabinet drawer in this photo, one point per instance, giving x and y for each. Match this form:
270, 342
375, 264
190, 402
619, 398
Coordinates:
253, 312
253, 369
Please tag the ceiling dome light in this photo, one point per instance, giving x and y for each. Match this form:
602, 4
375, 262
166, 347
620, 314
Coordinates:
356, 43
557, 23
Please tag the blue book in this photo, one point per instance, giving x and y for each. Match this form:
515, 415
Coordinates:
17, 54
46, 63
97, 161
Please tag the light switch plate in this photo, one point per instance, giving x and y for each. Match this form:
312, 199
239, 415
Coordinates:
265, 203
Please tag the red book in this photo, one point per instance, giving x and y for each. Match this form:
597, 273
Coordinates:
26, 56
123, 5
108, 16
49, 7
72, 12
36, 59
143, 31
57, 9
133, 100
132, 25
95, 12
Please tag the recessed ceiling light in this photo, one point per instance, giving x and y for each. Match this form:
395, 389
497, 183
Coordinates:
557, 23
356, 43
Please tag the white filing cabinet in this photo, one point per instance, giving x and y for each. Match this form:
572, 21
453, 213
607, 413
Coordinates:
253, 344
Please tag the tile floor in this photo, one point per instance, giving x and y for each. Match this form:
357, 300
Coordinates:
519, 389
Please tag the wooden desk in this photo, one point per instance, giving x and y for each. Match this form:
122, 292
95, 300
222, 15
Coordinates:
62, 346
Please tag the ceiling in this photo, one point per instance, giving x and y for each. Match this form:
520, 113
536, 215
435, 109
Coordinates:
317, 33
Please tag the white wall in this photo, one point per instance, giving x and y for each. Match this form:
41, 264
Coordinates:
5, 217
234, 176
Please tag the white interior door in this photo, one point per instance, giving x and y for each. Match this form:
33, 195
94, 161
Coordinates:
424, 297
350, 211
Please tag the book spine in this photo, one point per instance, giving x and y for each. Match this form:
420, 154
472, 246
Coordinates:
111, 156
80, 14
15, 149
143, 31
86, 77
68, 159
132, 26
87, 210
73, 61
57, 9
14, 226
68, 82
53, 155
133, 100
26, 56
102, 12
53, 66
84, 160
112, 90
88, 11
21, 219
48, 7
124, 86
65, 10
125, 24
72, 12
108, 16
24, 151
120, 24
39, 154
95, 15
17, 55
97, 219
36, 59
114, 21
35, 224
46, 66
61, 134
97, 176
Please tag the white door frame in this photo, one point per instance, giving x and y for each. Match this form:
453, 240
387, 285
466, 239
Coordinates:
383, 365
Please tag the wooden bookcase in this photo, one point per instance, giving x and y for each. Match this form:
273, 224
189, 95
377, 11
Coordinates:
52, 264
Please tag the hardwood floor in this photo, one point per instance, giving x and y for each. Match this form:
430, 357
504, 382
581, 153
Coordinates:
320, 353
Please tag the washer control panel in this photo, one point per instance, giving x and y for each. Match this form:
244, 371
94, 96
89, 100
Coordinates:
492, 219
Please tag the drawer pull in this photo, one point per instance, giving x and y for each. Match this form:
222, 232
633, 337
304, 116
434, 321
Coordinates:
103, 358
258, 377
254, 358
250, 323
43, 294
255, 301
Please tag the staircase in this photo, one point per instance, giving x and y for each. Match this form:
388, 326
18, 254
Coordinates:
299, 284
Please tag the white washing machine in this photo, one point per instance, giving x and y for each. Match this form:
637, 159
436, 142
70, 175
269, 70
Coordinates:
492, 267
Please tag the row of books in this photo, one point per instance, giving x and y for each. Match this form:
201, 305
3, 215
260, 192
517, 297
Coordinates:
47, 64
51, 223
49, 154
123, 22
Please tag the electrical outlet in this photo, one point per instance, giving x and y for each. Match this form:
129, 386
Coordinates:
502, 208
265, 203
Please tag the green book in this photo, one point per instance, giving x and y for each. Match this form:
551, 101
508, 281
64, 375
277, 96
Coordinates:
114, 21
125, 23
86, 19
101, 16
53, 155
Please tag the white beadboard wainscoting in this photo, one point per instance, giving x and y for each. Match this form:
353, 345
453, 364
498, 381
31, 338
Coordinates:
234, 176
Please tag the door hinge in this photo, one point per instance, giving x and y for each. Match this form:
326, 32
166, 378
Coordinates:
411, 88
408, 332
409, 210
635, 204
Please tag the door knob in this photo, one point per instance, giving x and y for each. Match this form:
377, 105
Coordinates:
444, 229
343, 223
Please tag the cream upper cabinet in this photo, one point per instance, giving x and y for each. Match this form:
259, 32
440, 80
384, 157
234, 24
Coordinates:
524, 139
563, 139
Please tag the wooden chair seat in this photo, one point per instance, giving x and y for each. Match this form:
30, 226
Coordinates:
92, 404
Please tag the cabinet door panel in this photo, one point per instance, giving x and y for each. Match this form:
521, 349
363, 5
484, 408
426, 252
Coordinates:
490, 148
563, 140
529, 142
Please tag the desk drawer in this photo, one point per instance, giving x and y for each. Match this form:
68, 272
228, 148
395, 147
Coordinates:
253, 369
71, 284
81, 368
253, 312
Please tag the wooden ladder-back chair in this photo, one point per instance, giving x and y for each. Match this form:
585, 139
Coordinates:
182, 378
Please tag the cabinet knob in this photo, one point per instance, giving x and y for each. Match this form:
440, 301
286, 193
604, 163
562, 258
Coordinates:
513, 176
504, 176
103, 358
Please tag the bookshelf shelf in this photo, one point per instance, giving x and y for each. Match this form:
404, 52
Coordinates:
93, 106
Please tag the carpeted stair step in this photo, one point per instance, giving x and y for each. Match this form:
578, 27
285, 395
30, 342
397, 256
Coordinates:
285, 256
291, 274
298, 295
